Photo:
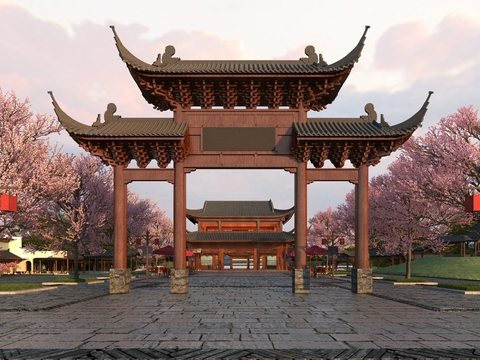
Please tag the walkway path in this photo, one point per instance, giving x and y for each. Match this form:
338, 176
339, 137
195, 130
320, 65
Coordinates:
240, 315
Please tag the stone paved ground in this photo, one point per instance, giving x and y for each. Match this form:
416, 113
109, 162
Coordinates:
240, 315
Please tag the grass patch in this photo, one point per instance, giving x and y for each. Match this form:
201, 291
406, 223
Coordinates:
72, 280
17, 287
411, 280
465, 268
464, 287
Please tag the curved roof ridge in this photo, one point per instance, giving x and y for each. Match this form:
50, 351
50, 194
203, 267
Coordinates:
118, 126
360, 126
352, 57
311, 64
68, 123
416, 120
126, 56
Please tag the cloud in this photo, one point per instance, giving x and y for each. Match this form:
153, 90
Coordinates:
417, 52
83, 69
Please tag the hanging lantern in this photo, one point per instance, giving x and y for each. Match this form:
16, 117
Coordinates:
342, 241
139, 241
472, 203
324, 241
8, 203
156, 241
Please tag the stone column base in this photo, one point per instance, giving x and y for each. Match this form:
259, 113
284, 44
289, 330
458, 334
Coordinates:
179, 281
362, 282
120, 281
301, 281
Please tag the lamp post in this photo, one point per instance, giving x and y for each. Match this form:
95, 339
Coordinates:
147, 244
147, 238
332, 239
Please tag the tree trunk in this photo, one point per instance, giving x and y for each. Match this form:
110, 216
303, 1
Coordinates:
409, 262
75, 261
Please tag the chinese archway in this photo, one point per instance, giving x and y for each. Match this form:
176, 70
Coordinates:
240, 115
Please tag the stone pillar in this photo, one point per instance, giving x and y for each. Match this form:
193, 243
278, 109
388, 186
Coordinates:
119, 276
179, 282
301, 281
362, 281
362, 274
301, 231
119, 281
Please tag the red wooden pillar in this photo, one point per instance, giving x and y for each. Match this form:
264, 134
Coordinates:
256, 259
301, 216
119, 218
221, 259
179, 217
361, 246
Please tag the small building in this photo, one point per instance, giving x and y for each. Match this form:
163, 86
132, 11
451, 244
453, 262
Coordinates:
240, 234
8, 260
467, 244
38, 261
104, 261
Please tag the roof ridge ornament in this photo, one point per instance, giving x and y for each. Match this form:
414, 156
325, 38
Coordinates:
371, 113
313, 58
167, 57
372, 116
108, 115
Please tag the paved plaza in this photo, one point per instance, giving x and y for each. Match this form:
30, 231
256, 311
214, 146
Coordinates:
235, 314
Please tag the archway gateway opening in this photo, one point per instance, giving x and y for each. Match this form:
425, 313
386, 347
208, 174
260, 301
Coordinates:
271, 130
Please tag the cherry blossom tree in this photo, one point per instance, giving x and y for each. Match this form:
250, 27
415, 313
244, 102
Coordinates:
448, 157
322, 225
422, 196
79, 221
145, 215
36, 172
345, 216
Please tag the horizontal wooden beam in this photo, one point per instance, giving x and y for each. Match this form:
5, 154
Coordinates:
148, 175
350, 175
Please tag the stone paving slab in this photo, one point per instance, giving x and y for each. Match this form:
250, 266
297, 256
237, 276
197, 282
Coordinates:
239, 315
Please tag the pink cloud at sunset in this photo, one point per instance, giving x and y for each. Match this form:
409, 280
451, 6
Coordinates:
420, 53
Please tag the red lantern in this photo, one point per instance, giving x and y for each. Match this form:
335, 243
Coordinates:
8, 203
342, 241
324, 241
139, 241
472, 203
156, 241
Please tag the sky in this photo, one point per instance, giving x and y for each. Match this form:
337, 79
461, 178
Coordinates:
412, 47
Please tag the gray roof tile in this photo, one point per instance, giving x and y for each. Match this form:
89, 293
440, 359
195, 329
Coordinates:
363, 126
238, 209
117, 126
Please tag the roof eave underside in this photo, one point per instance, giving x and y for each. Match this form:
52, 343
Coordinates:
240, 236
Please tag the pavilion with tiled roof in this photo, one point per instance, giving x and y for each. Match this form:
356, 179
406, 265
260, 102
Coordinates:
241, 114
240, 230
